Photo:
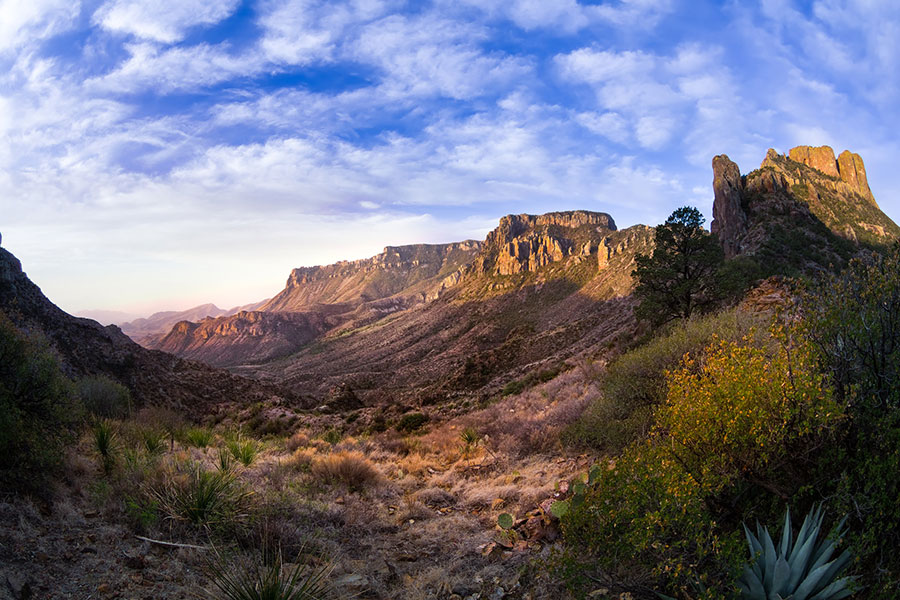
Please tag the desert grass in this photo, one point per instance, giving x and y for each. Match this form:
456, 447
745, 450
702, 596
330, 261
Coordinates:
351, 469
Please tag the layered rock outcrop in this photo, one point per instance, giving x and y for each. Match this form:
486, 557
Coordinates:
793, 203
638, 238
525, 243
244, 337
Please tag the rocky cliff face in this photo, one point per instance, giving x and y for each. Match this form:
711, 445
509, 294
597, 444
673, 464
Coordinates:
419, 269
804, 207
729, 219
87, 348
525, 243
848, 168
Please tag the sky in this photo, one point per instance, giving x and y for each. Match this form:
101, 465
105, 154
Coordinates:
162, 154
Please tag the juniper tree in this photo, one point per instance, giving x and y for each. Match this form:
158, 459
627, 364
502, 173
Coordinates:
682, 275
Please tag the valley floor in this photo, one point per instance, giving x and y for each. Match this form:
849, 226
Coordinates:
395, 516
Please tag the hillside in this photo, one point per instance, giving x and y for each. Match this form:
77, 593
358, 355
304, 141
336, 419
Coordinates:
318, 299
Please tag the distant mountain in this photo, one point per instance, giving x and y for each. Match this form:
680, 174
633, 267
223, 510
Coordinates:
160, 323
87, 348
542, 291
106, 317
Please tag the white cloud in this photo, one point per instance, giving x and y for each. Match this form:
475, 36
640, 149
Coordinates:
641, 13
567, 16
176, 69
166, 22
26, 22
428, 56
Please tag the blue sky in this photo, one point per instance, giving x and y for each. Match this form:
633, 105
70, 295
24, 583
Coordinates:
162, 154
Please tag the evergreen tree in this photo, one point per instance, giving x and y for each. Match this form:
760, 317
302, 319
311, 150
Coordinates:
681, 276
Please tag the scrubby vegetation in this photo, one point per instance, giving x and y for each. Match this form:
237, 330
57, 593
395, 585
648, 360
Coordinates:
38, 411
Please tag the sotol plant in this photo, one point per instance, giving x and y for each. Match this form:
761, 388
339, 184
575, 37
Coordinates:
796, 570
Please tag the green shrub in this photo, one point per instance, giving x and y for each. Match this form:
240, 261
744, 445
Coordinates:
853, 320
748, 413
530, 380
644, 519
104, 397
332, 436
635, 382
38, 411
411, 422
737, 426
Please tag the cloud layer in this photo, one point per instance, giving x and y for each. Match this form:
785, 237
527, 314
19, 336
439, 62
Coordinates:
156, 154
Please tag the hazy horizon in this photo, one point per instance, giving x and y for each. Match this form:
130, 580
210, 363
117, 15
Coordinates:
159, 158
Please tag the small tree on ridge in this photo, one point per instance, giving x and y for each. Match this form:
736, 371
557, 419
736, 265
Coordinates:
681, 276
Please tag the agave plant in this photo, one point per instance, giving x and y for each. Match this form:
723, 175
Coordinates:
796, 570
268, 578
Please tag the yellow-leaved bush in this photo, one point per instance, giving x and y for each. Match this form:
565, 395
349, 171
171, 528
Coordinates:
742, 411
739, 429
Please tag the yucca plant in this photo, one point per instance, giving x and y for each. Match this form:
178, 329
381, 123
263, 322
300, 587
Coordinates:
153, 440
244, 450
226, 460
199, 437
104, 442
796, 570
470, 439
268, 578
202, 497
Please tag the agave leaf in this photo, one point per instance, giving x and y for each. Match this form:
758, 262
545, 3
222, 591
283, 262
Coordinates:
787, 535
823, 554
809, 530
752, 582
753, 544
828, 544
800, 558
837, 565
769, 558
812, 583
837, 590
781, 576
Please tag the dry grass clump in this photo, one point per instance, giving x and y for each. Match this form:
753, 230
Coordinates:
300, 439
416, 464
435, 496
352, 469
302, 459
